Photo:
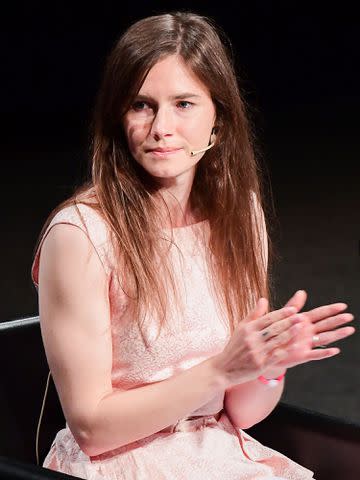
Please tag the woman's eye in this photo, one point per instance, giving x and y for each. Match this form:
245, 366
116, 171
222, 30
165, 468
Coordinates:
137, 105
184, 101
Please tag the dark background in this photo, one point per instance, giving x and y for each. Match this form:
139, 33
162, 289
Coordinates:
298, 65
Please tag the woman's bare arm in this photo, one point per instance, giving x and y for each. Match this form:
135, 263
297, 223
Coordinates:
125, 416
249, 403
75, 325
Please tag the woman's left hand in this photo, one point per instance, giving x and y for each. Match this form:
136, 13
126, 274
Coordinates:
318, 328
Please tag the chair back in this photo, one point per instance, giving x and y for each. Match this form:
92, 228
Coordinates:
24, 377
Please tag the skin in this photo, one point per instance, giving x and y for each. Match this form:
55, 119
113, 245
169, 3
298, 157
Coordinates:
162, 121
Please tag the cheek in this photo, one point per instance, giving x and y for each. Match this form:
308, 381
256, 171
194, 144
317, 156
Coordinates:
199, 128
135, 135
193, 132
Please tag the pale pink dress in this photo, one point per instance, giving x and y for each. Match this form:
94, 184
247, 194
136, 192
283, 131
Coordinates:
203, 448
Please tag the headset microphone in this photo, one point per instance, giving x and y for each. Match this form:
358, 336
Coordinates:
195, 152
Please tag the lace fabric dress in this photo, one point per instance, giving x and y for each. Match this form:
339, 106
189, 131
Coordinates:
208, 447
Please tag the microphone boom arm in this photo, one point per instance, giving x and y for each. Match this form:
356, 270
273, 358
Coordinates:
195, 152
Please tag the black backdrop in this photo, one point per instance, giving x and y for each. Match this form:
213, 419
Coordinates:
298, 64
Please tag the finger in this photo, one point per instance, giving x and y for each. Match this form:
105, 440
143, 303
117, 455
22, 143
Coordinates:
280, 326
333, 322
298, 300
272, 317
283, 339
330, 337
322, 354
325, 311
259, 310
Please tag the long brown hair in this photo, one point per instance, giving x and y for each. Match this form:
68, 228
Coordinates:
227, 180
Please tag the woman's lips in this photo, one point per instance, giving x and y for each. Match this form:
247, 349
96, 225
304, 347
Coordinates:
159, 153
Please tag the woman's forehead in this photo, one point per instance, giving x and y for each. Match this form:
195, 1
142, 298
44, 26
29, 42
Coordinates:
173, 78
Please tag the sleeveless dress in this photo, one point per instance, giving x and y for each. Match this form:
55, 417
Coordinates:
208, 447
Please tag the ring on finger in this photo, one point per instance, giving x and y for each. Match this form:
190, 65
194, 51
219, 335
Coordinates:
316, 342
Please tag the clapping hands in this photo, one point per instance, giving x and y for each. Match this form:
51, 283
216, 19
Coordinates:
318, 327
273, 341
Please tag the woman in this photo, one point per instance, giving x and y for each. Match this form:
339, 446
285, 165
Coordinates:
154, 311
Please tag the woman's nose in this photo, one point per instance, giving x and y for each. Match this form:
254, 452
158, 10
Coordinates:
162, 123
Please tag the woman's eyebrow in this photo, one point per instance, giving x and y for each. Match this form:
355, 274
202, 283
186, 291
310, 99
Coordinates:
173, 97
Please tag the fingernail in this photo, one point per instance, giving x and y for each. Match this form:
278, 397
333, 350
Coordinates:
342, 305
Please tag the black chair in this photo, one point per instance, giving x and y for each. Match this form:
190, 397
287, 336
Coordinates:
327, 446
24, 376
11, 469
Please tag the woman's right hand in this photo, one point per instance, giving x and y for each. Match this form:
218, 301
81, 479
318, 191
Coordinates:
258, 343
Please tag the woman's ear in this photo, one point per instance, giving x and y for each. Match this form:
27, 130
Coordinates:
213, 134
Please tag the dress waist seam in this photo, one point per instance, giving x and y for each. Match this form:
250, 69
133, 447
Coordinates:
192, 423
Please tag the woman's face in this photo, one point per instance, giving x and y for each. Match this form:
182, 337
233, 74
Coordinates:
173, 110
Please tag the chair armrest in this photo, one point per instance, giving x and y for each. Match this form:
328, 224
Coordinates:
14, 469
326, 445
